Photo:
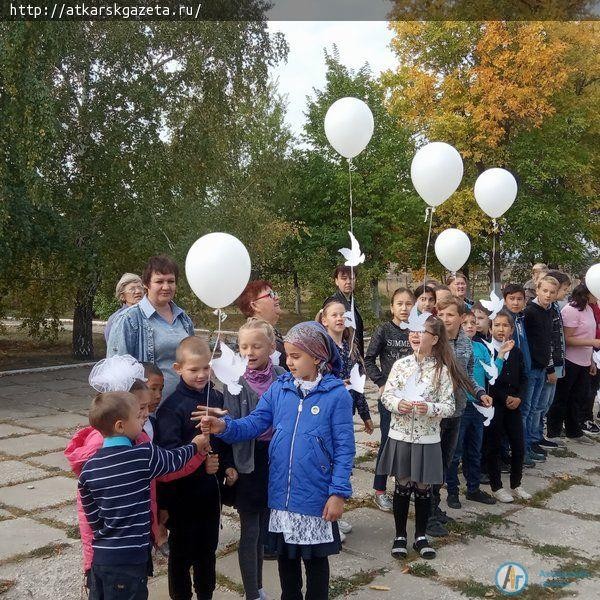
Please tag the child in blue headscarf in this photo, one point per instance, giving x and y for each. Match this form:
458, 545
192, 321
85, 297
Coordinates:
310, 457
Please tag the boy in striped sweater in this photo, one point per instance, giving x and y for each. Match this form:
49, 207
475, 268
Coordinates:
115, 494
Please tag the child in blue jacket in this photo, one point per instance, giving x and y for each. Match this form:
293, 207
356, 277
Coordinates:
310, 457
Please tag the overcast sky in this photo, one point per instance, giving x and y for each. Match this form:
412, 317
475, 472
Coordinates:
358, 42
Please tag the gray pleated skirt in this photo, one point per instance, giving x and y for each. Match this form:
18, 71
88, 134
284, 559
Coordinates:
421, 463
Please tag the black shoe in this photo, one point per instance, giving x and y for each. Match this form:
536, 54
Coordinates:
547, 443
590, 428
442, 517
422, 546
537, 448
453, 502
485, 479
480, 496
399, 550
504, 467
435, 528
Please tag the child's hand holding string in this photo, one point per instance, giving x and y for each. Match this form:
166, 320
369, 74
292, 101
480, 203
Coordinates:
420, 408
211, 425
334, 508
405, 406
202, 443
204, 411
231, 476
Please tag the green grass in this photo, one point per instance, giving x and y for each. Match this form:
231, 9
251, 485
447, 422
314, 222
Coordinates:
421, 570
552, 550
342, 586
564, 453
229, 584
559, 484
482, 525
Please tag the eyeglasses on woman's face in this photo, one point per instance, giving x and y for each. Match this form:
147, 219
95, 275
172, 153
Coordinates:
270, 294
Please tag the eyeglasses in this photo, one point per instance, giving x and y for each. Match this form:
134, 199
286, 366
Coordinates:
270, 294
133, 289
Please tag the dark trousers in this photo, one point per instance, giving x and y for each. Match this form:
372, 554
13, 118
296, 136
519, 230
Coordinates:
121, 582
468, 447
572, 395
449, 430
510, 423
588, 409
317, 578
385, 416
253, 529
194, 549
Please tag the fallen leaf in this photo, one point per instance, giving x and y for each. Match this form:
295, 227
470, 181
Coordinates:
489, 594
405, 569
380, 588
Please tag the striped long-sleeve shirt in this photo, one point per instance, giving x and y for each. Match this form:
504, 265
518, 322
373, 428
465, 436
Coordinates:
115, 494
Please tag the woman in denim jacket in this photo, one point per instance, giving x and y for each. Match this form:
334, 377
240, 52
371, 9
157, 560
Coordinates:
151, 330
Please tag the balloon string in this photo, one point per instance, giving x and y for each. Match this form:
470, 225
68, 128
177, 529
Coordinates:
494, 230
431, 210
351, 168
219, 315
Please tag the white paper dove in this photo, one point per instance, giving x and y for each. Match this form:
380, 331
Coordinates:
596, 357
494, 304
352, 255
487, 412
416, 321
228, 368
275, 356
490, 368
357, 381
413, 390
116, 374
349, 317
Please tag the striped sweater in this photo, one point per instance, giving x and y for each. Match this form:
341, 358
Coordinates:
115, 494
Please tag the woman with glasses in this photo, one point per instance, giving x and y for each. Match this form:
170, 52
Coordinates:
151, 330
260, 300
129, 291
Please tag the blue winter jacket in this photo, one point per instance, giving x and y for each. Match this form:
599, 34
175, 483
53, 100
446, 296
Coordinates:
312, 450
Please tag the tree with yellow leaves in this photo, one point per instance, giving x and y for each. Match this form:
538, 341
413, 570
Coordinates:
517, 95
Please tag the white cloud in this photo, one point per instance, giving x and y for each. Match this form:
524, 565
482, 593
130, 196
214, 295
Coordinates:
357, 41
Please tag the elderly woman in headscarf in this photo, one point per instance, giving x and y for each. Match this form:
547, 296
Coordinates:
129, 291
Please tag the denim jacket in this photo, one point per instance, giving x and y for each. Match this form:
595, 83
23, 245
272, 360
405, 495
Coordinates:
132, 333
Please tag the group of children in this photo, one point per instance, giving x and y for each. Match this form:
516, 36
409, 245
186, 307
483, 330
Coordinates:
281, 451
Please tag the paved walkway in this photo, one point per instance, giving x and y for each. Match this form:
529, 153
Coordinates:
556, 534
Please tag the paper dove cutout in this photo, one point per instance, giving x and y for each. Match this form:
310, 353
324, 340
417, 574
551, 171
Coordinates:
275, 356
494, 304
416, 321
491, 369
228, 368
413, 390
596, 357
357, 381
349, 318
352, 255
487, 412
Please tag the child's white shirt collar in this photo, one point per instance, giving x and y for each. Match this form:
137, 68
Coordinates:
307, 386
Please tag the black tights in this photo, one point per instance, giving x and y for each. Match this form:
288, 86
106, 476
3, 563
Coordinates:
317, 578
402, 493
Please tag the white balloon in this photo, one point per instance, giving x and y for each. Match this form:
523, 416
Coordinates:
495, 192
452, 248
217, 267
436, 172
349, 126
592, 279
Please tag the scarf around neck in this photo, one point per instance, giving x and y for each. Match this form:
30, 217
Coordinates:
260, 379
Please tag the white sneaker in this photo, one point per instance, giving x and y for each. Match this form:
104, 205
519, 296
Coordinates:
503, 496
263, 594
521, 494
342, 537
344, 526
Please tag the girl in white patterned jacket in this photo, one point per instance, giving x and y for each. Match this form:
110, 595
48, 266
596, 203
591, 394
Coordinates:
419, 392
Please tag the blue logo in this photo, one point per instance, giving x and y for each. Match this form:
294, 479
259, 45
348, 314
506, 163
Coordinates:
511, 578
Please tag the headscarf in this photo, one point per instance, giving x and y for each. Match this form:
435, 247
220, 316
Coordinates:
311, 337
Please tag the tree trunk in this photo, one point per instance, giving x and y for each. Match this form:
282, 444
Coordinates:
83, 341
375, 303
297, 294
